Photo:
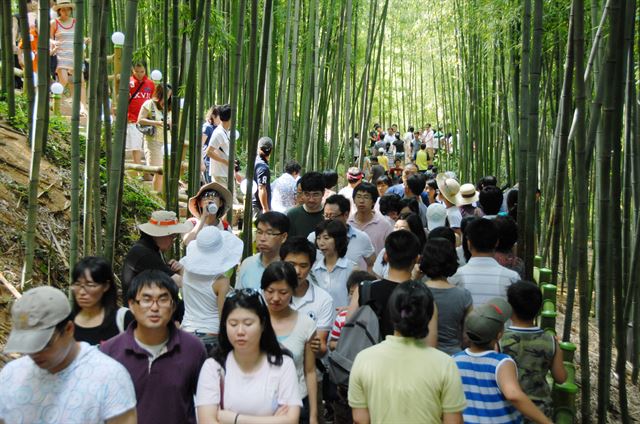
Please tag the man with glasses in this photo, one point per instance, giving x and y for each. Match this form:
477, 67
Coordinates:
163, 361
366, 219
304, 218
59, 379
272, 229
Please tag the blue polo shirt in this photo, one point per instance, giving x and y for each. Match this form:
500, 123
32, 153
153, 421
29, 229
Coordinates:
396, 189
250, 272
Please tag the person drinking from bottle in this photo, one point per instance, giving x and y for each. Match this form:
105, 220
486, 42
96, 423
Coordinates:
208, 207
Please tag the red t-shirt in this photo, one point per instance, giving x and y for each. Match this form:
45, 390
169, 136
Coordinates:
141, 96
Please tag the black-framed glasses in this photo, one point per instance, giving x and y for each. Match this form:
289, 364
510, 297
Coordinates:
147, 302
260, 233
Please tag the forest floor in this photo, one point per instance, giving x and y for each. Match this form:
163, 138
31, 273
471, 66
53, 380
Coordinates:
52, 235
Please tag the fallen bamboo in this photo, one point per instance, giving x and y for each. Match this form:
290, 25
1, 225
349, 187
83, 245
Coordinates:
10, 287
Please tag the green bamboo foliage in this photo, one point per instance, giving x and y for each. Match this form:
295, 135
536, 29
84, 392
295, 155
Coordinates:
38, 139
7, 58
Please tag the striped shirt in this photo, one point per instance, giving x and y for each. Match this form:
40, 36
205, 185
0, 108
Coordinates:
485, 279
485, 401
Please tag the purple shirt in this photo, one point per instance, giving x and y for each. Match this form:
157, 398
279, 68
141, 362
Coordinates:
165, 387
377, 229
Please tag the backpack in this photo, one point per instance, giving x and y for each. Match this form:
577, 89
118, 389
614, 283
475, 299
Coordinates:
362, 330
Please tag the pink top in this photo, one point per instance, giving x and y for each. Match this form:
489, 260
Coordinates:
377, 229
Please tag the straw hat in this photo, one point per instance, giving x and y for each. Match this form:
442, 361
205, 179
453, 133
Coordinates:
63, 3
449, 188
194, 208
164, 223
213, 252
468, 194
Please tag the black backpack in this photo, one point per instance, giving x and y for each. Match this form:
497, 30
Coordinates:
362, 330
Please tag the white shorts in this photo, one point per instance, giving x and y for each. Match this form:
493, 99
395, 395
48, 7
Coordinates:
134, 137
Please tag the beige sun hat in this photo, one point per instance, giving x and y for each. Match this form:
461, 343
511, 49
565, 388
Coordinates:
449, 188
63, 3
468, 194
164, 223
217, 187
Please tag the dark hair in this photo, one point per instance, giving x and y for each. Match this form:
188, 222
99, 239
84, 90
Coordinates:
491, 200
423, 146
512, 203
330, 177
525, 298
384, 179
432, 183
298, 245
415, 226
252, 300
292, 166
338, 199
159, 96
337, 231
278, 271
416, 184
463, 226
401, 248
411, 309
153, 277
222, 210
410, 129
445, 233
101, 272
277, 220
366, 188
139, 63
390, 203
357, 277
374, 159
213, 111
486, 181
439, 259
482, 234
59, 328
507, 233
312, 181
411, 203
225, 112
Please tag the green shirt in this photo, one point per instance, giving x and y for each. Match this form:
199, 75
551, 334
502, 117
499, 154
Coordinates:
402, 380
301, 222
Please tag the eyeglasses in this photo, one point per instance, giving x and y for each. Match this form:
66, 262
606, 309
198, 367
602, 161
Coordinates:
330, 216
316, 194
210, 195
147, 302
76, 286
260, 233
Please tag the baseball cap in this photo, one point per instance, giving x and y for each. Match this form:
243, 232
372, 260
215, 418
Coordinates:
35, 316
265, 144
354, 174
436, 216
485, 322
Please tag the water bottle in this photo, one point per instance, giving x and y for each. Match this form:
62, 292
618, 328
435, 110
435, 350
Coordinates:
212, 208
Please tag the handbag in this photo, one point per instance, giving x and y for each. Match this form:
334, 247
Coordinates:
149, 130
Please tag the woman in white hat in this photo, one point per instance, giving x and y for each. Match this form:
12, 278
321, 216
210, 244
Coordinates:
204, 285
208, 208
468, 198
449, 189
156, 237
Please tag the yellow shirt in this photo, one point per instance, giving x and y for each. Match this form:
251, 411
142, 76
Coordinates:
384, 162
401, 380
421, 160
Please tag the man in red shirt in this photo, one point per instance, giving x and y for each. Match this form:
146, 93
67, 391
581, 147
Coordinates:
140, 90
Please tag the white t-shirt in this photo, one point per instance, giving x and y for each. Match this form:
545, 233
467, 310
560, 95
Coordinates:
220, 142
379, 268
259, 393
304, 329
454, 216
317, 304
200, 303
92, 389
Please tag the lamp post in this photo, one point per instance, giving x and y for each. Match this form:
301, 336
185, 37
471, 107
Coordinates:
156, 76
56, 91
117, 38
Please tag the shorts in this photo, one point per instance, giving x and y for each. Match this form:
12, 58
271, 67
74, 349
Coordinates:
134, 139
153, 151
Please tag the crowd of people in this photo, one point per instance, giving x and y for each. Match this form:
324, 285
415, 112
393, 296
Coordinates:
423, 264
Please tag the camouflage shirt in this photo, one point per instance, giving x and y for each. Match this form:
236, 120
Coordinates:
533, 351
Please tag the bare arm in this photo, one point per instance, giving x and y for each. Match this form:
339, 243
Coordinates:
207, 414
264, 197
558, 370
285, 414
143, 118
452, 418
510, 388
311, 380
129, 417
221, 288
370, 261
361, 416
212, 152
432, 337
319, 343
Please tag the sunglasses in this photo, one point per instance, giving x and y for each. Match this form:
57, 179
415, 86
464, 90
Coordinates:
210, 195
246, 293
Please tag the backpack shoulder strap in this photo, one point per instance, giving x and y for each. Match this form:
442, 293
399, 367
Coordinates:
120, 314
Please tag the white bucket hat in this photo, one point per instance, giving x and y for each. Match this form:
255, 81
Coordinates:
213, 252
436, 216
164, 223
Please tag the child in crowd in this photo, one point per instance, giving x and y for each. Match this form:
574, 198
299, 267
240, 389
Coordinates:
489, 378
535, 351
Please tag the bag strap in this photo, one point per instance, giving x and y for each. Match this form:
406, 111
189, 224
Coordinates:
136, 92
221, 378
120, 314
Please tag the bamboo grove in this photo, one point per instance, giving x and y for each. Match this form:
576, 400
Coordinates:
538, 93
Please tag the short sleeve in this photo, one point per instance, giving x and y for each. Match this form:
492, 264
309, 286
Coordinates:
208, 391
378, 267
119, 393
336, 330
325, 314
241, 272
288, 393
452, 394
145, 110
468, 299
310, 328
262, 174
367, 247
356, 395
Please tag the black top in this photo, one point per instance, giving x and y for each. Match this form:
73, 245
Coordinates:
106, 330
399, 144
262, 176
379, 298
143, 255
